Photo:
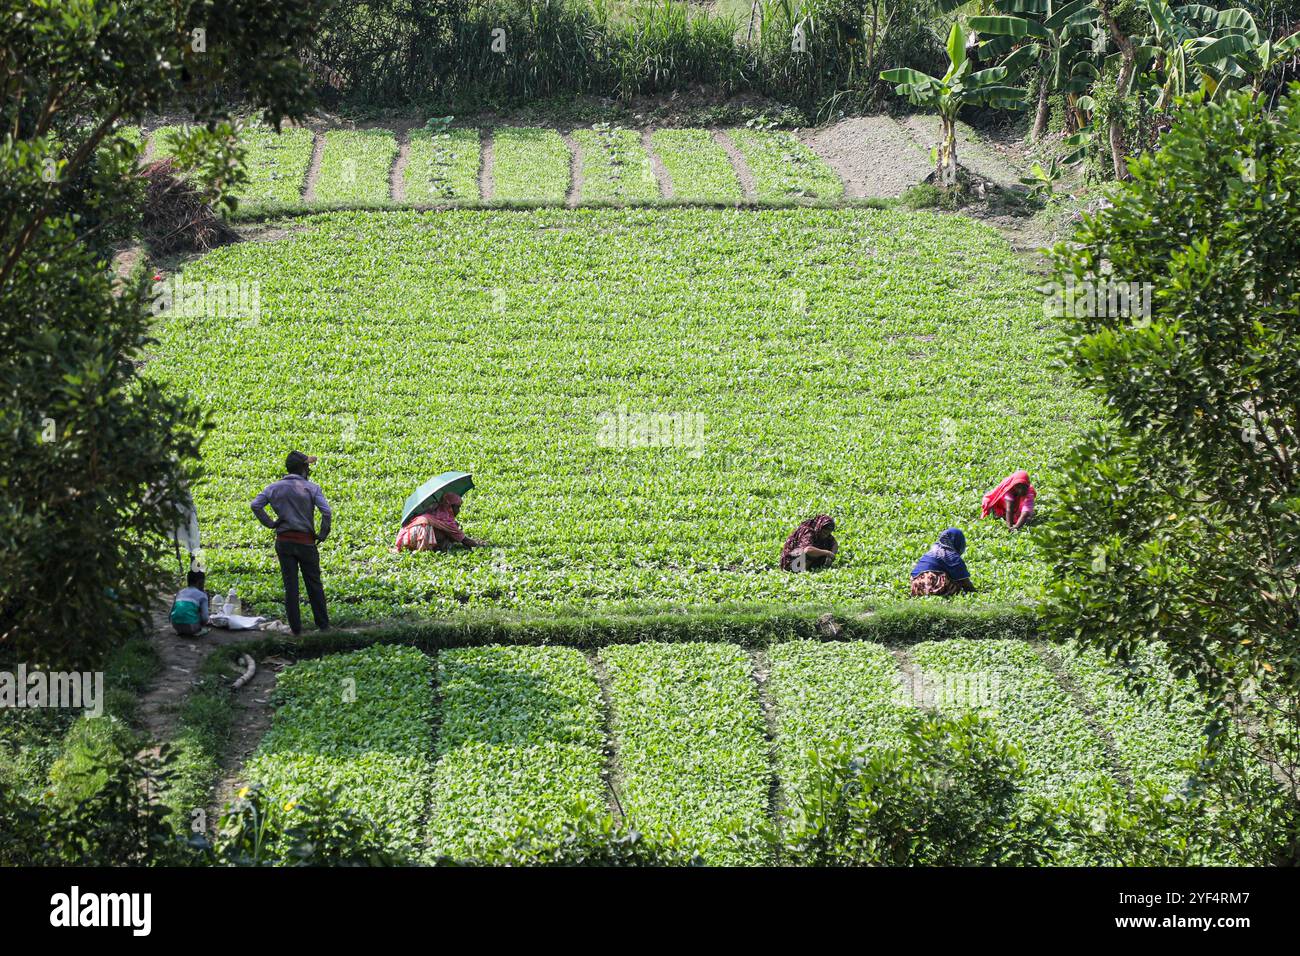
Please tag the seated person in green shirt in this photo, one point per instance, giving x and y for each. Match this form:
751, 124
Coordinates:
189, 614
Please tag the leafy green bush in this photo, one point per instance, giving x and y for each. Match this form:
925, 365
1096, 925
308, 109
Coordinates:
1180, 514
949, 792
92, 747
95, 458
118, 822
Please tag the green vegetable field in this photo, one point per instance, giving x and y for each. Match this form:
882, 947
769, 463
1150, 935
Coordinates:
677, 744
649, 401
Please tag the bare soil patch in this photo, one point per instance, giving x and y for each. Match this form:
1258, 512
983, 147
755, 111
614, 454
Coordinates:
397, 179
486, 166
657, 165
873, 155
575, 170
251, 720
743, 172
313, 168
760, 668
972, 153
181, 658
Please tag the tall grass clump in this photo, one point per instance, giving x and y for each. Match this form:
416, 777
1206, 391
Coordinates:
817, 53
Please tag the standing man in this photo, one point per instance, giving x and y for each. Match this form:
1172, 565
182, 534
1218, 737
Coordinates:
294, 497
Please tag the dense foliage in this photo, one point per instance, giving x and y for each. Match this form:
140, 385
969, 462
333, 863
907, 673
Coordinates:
1181, 521
948, 792
94, 458
461, 52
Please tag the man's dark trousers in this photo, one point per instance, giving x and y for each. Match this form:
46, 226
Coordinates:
305, 556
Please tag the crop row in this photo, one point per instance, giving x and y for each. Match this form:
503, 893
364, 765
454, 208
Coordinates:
689, 736
521, 734
823, 693
443, 166
276, 164
360, 724
521, 731
698, 167
355, 167
1008, 682
616, 167
785, 168
530, 165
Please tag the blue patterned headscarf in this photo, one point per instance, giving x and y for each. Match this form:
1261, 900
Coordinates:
945, 556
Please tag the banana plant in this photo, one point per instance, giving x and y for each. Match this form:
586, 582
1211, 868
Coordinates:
1178, 36
1046, 33
1239, 53
960, 86
1215, 50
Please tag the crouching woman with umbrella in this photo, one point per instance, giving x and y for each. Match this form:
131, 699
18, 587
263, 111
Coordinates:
429, 519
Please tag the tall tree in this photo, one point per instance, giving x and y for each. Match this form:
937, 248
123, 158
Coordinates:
94, 457
1180, 521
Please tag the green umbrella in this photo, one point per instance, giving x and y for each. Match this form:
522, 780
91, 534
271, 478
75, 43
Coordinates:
426, 497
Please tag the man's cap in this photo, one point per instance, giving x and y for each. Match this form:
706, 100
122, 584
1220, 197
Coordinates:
297, 458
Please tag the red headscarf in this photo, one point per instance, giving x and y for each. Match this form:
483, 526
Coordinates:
995, 502
804, 535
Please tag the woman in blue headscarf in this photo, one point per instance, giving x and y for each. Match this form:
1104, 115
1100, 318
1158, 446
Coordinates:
941, 571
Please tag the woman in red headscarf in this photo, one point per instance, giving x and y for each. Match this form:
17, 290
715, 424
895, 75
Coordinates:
810, 546
436, 530
1012, 500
